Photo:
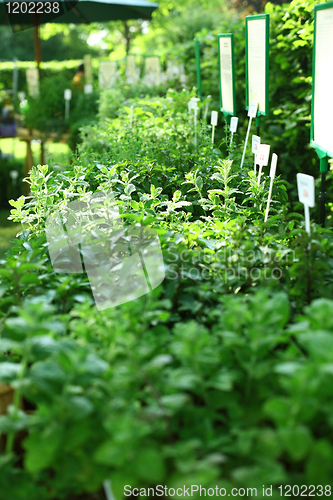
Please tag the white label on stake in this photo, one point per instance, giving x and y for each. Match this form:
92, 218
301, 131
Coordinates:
306, 190
88, 88
273, 166
263, 154
252, 109
68, 94
255, 144
214, 116
193, 103
233, 124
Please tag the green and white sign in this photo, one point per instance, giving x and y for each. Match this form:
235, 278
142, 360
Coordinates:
227, 74
33, 81
257, 61
322, 90
87, 69
107, 75
152, 71
132, 73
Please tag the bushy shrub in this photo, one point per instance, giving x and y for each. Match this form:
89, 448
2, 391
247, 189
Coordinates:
221, 376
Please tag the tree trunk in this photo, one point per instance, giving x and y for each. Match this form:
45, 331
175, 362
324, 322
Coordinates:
127, 35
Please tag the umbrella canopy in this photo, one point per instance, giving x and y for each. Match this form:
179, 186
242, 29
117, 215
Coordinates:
25, 12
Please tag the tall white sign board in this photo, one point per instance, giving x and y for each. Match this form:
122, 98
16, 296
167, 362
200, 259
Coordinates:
227, 75
257, 56
33, 81
152, 71
87, 69
132, 72
322, 111
107, 74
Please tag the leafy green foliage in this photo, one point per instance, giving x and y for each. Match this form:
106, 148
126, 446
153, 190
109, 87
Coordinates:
8, 187
221, 375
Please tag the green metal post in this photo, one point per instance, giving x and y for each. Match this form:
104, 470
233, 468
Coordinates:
197, 63
258, 125
322, 195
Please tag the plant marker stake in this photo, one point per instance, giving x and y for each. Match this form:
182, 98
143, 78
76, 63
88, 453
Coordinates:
67, 96
233, 127
206, 110
263, 156
272, 176
259, 173
322, 194
88, 88
306, 195
195, 126
193, 104
107, 490
252, 114
14, 175
255, 150
131, 116
213, 122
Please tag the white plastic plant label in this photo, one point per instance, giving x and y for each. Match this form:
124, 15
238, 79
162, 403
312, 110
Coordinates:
193, 103
252, 112
306, 189
233, 124
68, 94
263, 154
88, 88
273, 166
272, 176
255, 144
213, 120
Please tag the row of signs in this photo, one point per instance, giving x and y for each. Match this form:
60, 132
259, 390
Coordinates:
256, 62
108, 74
257, 73
257, 78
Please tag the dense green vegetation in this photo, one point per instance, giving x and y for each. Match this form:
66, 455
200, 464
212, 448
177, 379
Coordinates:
220, 376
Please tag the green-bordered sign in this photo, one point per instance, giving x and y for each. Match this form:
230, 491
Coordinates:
322, 89
88, 76
257, 61
227, 74
107, 74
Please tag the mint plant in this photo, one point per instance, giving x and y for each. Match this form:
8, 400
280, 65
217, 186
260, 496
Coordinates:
221, 373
